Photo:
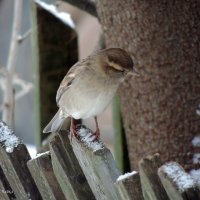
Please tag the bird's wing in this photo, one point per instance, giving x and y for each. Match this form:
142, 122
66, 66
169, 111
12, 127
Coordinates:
68, 80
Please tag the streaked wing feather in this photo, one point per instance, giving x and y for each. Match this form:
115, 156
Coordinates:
69, 78
65, 84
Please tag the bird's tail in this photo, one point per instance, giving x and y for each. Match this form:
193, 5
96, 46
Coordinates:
57, 122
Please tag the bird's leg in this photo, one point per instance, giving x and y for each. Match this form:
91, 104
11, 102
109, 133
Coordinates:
73, 132
97, 132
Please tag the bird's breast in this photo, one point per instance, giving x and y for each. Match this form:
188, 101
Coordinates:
87, 98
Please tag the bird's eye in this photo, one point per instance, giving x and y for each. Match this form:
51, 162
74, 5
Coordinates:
122, 70
115, 67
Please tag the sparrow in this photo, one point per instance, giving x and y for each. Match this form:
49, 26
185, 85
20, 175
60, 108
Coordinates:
89, 87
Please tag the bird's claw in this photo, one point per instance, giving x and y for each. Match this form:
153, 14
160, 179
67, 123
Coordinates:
96, 135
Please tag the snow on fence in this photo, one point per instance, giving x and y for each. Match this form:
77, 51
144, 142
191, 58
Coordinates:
85, 170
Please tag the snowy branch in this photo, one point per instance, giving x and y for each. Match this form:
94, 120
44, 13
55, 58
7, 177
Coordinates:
85, 5
63, 16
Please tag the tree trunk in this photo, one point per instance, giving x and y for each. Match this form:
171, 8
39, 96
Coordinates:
159, 108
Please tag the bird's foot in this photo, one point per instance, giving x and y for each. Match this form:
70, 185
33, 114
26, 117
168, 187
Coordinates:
73, 133
95, 135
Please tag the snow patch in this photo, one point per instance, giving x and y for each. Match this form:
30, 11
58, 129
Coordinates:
126, 175
198, 110
32, 150
7, 138
196, 158
196, 141
195, 173
63, 16
42, 154
182, 180
87, 138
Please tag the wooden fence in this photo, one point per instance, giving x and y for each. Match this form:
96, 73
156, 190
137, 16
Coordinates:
85, 170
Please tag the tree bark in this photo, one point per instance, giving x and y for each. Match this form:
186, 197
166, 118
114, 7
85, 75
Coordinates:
159, 107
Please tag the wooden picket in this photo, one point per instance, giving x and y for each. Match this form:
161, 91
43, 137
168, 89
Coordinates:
85, 169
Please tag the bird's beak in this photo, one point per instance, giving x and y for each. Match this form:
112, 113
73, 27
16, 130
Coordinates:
133, 73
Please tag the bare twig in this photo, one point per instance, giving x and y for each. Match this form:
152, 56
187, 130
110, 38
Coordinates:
8, 101
21, 38
2, 80
85, 5
2, 71
25, 87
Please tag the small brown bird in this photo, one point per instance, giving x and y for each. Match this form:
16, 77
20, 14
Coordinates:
89, 86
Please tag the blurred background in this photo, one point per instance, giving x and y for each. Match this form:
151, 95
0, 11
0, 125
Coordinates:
88, 30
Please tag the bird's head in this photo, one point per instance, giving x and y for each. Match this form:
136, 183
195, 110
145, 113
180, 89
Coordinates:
117, 63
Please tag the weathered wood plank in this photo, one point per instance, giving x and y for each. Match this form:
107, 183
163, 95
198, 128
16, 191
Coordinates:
67, 169
45, 144
178, 184
6, 192
151, 185
42, 172
98, 165
129, 186
14, 156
